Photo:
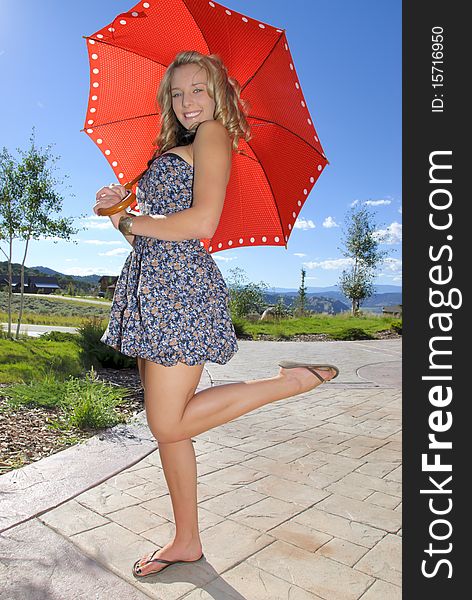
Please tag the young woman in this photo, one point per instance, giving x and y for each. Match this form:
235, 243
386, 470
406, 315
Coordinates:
170, 306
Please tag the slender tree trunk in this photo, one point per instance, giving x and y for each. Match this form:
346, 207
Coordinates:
10, 285
354, 299
20, 312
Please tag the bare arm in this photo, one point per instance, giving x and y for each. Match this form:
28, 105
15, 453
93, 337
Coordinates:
212, 168
131, 239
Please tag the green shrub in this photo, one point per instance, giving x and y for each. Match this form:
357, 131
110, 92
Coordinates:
94, 353
397, 326
85, 404
91, 405
280, 332
353, 333
59, 336
46, 392
240, 328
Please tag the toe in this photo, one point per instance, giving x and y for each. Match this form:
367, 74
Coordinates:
326, 374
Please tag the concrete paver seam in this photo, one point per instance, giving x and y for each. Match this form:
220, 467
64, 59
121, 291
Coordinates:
72, 497
68, 541
233, 566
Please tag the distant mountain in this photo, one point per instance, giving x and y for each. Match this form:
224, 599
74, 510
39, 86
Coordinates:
46, 270
379, 289
314, 302
87, 283
319, 299
333, 301
93, 279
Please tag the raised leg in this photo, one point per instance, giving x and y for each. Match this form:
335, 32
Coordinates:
217, 405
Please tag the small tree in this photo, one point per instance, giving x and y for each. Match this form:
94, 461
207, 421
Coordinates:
361, 246
281, 310
245, 297
10, 214
300, 301
34, 199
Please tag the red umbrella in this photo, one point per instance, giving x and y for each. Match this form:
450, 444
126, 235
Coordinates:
270, 182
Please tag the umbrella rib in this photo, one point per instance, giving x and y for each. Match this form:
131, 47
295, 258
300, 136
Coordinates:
272, 192
98, 41
121, 120
262, 63
266, 121
195, 21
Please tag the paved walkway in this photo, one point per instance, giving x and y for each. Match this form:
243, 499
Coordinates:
298, 500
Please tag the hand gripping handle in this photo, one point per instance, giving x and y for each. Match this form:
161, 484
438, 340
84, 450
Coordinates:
125, 202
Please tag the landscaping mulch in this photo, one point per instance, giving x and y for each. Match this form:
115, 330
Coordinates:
387, 334
24, 433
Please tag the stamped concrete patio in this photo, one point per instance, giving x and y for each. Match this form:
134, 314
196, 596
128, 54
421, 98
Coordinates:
299, 500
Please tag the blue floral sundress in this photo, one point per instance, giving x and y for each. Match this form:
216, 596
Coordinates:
171, 302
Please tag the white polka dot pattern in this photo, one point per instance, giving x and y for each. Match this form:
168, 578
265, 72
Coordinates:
293, 201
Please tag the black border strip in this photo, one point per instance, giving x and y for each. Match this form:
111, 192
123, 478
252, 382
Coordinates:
433, 133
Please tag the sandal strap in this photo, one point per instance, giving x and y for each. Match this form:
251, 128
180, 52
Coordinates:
316, 373
162, 560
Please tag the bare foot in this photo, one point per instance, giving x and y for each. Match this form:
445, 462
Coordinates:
171, 551
305, 378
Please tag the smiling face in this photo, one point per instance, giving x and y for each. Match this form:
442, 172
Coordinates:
190, 99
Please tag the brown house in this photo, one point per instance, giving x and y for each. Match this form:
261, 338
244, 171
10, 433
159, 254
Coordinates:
107, 283
394, 311
33, 284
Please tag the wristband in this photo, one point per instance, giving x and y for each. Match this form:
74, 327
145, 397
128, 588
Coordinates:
124, 225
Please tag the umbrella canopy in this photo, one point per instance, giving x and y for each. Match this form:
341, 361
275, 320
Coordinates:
270, 182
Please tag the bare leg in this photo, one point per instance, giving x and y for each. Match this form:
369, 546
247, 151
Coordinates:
170, 412
141, 368
180, 470
215, 406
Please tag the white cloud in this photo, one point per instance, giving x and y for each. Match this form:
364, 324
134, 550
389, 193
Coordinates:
90, 271
116, 252
52, 238
217, 256
330, 264
329, 222
382, 202
392, 264
96, 222
299, 254
102, 242
392, 267
302, 223
391, 235
378, 202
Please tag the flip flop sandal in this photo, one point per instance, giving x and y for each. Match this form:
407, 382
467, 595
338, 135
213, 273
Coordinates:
137, 568
290, 364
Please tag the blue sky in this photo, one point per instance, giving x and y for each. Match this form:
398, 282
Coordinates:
348, 59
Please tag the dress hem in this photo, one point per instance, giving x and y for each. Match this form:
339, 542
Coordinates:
172, 364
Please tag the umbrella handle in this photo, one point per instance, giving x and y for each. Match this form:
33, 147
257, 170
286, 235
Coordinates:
121, 205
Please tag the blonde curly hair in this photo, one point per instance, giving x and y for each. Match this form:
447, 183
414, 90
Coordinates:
230, 108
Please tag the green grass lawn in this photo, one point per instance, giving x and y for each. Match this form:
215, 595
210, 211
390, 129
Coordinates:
29, 359
335, 326
70, 313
